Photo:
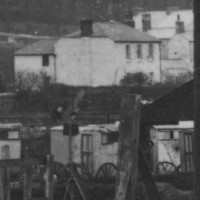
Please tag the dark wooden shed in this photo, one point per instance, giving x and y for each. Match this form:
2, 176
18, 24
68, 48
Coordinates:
171, 108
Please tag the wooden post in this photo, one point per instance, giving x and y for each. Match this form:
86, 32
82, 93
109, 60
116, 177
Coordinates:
128, 147
196, 137
27, 183
27, 178
49, 178
7, 184
2, 183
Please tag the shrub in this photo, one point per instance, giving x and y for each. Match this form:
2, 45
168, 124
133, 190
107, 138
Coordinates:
135, 79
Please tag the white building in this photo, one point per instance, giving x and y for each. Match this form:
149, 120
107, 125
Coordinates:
175, 30
37, 57
97, 54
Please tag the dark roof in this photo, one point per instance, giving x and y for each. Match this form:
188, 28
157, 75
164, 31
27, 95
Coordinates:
171, 108
38, 48
117, 32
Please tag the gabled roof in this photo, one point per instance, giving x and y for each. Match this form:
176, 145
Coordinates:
117, 32
38, 48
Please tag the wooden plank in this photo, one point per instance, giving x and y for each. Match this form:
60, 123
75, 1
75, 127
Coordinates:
128, 147
2, 178
27, 183
196, 89
49, 178
7, 184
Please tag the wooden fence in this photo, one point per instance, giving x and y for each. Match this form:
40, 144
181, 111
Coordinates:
27, 164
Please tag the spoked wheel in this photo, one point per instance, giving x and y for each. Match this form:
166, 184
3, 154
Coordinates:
165, 167
38, 171
107, 170
16, 174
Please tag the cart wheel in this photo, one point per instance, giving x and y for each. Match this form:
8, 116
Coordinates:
16, 174
107, 170
165, 167
38, 171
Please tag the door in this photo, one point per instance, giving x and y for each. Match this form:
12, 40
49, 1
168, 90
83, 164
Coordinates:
186, 152
5, 152
87, 153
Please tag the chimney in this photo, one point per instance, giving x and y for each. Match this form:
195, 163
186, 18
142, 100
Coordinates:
171, 9
129, 19
146, 22
180, 27
130, 23
86, 28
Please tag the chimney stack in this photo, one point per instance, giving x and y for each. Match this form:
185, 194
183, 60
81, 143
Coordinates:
130, 23
86, 28
129, 19
180, 27
146, 22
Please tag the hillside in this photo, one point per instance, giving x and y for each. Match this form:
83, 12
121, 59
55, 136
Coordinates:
55, 17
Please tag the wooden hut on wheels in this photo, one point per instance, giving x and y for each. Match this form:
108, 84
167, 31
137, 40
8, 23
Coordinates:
93, 146
170, 109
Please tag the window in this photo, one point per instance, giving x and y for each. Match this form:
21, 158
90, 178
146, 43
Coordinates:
128, 52
45, 60
109, 138
151, 51
139, 51
171, 135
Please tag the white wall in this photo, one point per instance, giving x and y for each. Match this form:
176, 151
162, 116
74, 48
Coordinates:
34, 64
179, 47
14, 146
100, 61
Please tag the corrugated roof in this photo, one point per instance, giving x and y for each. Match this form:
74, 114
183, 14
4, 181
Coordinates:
117, 32
92, 128
38, 48
181, 125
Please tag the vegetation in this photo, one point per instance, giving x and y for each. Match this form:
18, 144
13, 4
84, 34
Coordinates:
142, 79
56, 13
135, 79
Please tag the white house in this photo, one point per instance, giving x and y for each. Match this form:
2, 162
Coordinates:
175, 29
10, 141
97, 54
37, 57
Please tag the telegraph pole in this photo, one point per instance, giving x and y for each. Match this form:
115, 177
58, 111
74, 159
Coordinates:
196, 136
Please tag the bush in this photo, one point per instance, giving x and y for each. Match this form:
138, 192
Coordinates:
135, 79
